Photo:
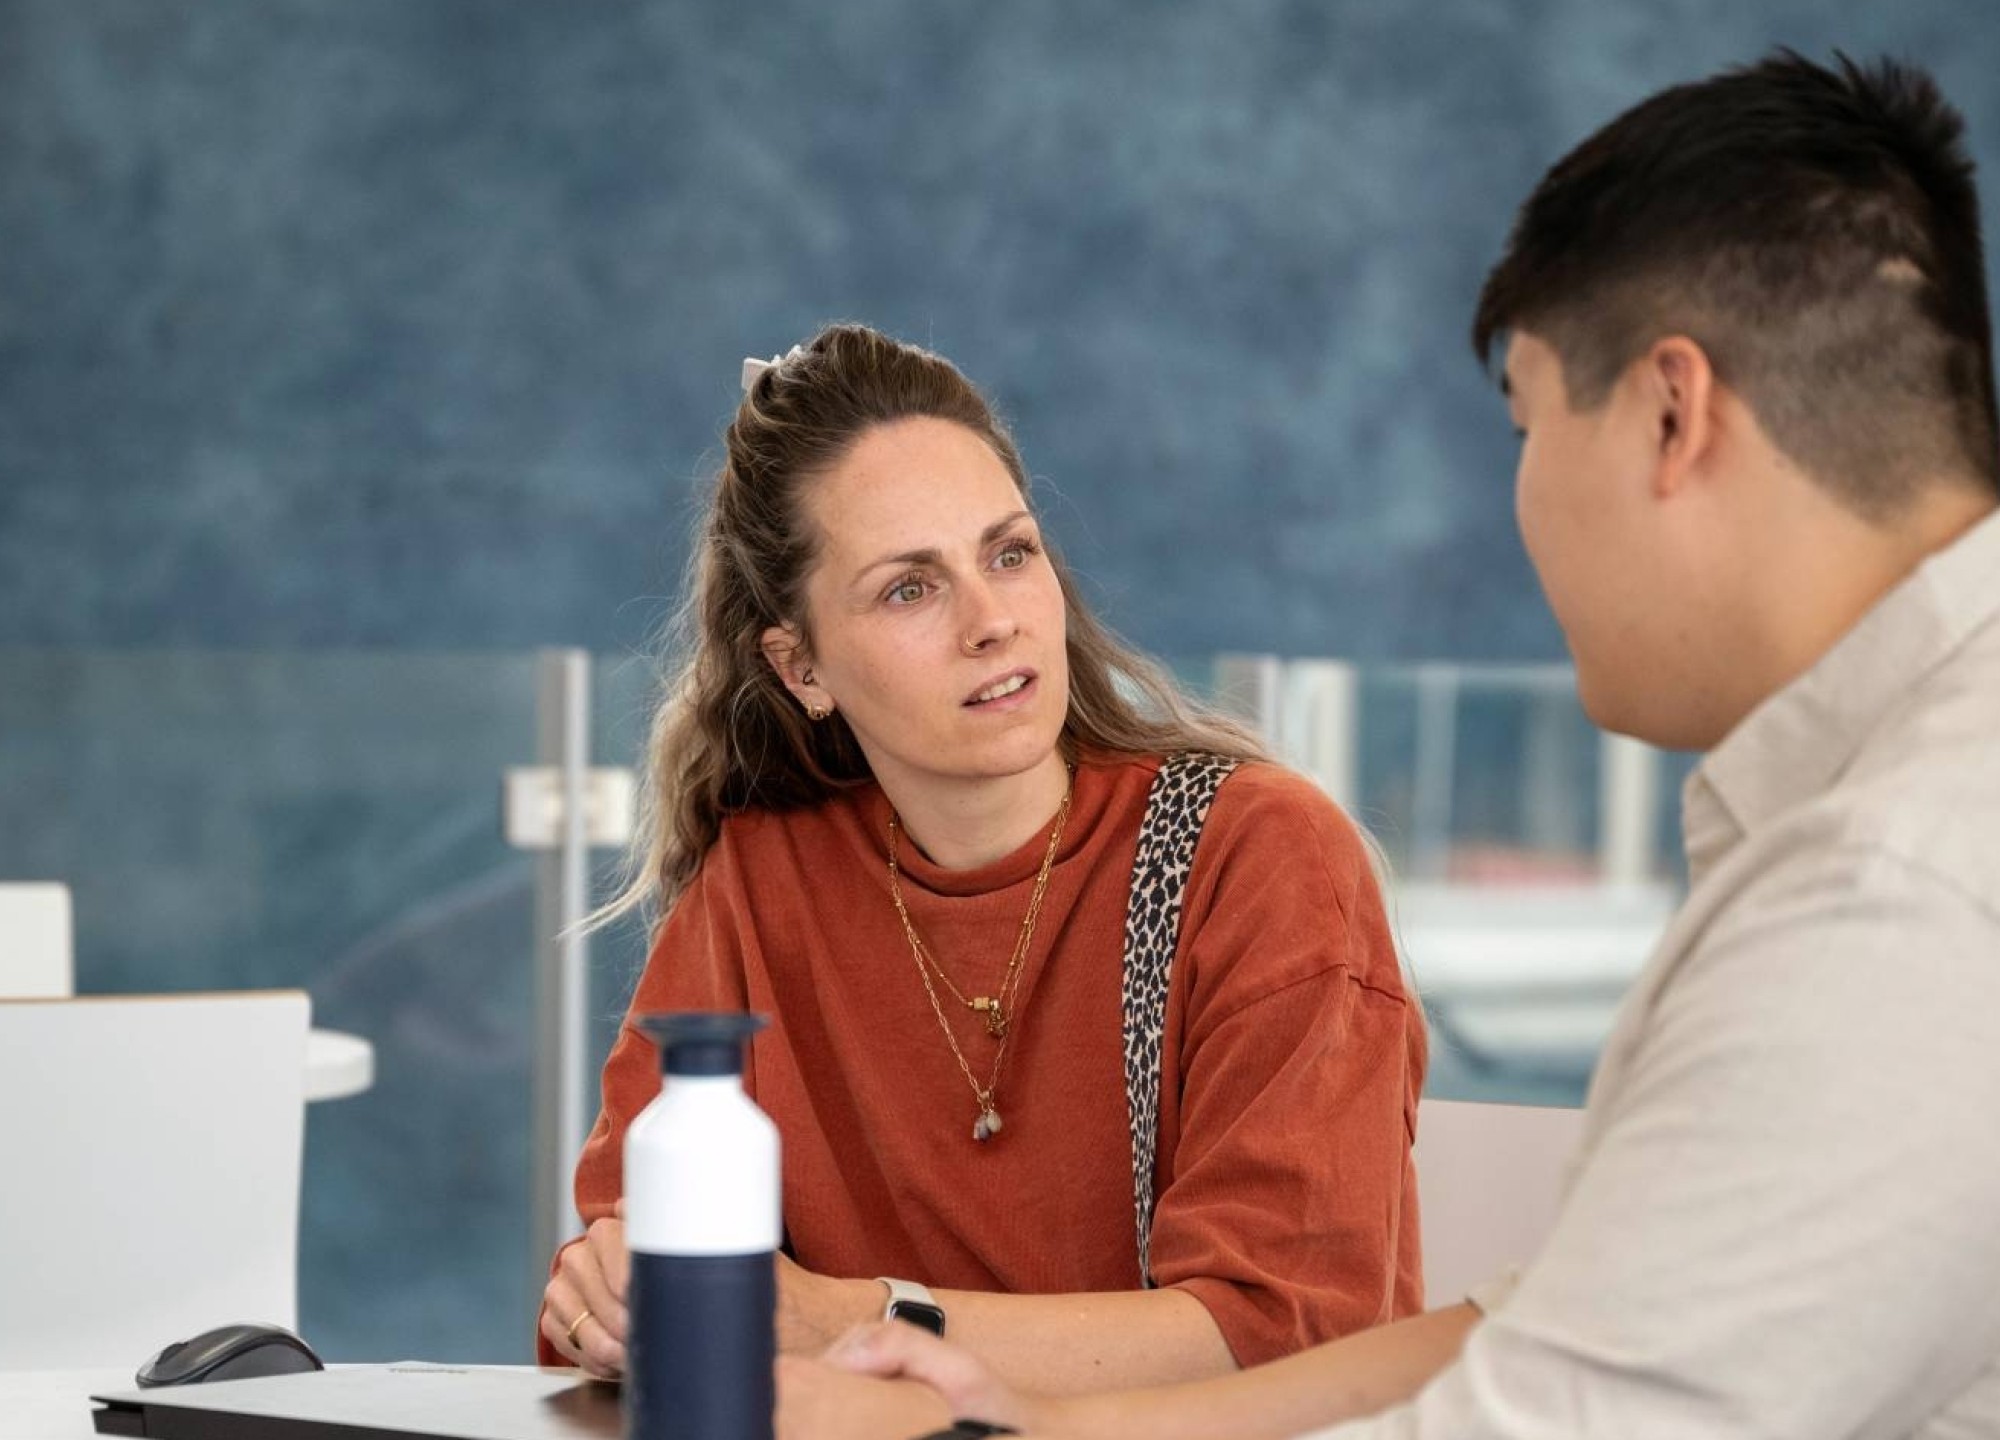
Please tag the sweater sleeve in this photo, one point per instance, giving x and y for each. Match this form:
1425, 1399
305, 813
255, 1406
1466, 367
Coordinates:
694, 964
1288, 1205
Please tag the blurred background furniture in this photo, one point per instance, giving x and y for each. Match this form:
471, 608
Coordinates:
152, 1149
1530, 858
1491, 1180
337, 1065
36, 940
37, 962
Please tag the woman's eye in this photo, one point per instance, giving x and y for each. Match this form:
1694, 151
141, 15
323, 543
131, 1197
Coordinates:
907, 592
1015, 555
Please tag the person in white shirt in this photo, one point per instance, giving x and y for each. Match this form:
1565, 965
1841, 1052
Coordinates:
1747, 345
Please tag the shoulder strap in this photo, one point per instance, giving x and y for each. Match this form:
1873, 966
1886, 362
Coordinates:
1176, 807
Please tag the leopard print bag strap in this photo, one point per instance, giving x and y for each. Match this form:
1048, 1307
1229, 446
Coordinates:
1176, 807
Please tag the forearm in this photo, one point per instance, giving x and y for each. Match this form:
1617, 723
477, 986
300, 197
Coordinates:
1347, 1378
1074, 1344
1051, 1344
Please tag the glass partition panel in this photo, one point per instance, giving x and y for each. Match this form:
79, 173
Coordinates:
624, 691
332, 821
328, 821
1531, 861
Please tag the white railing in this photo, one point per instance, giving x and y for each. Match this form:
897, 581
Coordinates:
1522, 945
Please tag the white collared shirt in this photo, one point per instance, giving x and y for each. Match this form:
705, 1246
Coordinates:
1784, 1217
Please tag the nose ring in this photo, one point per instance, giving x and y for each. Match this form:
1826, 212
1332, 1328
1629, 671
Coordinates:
970, 646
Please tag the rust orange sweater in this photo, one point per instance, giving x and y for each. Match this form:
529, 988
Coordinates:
1293, 1059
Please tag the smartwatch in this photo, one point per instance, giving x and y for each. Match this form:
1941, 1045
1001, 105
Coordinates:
912, 1304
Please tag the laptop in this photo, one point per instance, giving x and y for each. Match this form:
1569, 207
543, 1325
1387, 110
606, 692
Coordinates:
372, 1402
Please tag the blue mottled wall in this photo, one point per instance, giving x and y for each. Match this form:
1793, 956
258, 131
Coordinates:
409, 322
331, 328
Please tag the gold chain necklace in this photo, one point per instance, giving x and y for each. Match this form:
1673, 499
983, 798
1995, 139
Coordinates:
994, 1009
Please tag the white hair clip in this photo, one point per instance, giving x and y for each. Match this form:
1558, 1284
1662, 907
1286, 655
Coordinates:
754, 368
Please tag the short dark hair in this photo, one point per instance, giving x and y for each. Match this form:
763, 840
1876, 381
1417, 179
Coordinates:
1815, 230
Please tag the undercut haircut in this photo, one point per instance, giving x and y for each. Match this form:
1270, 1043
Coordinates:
1816, 231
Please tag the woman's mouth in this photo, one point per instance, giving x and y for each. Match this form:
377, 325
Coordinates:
1000, 689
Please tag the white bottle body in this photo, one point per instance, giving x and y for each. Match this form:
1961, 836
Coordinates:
703, 1221
701, 1172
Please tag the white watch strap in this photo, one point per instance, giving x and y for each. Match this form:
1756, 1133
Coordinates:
906, 1290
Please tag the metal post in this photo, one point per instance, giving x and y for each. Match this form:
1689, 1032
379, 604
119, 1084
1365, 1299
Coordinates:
562, 955
1628, 798
1320, 732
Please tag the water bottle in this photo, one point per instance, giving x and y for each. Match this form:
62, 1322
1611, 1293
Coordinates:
702, 1220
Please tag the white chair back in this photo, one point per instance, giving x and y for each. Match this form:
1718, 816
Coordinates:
36, 946
1489, 1186
150, 1153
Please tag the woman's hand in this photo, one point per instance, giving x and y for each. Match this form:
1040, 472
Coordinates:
591, 1277
813, 1309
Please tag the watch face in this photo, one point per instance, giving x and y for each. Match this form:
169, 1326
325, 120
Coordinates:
915, 1312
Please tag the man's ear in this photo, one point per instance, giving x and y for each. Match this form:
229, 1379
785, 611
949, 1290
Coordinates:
1680, 388
784, 650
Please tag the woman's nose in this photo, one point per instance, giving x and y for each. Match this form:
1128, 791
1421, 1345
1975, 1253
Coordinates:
986, 619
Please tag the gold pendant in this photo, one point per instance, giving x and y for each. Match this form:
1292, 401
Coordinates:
995, 1013
987, 1125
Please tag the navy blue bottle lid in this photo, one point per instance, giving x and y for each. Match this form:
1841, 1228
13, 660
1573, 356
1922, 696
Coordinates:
701, 1042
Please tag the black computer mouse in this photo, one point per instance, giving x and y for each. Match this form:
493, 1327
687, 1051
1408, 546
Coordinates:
229, 1352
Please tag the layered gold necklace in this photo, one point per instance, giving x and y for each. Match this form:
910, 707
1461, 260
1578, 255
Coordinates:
998, 1010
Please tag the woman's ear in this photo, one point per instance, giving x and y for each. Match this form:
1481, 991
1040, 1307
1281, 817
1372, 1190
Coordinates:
784, 650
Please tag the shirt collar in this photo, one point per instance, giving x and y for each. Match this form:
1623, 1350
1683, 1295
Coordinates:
1798, 741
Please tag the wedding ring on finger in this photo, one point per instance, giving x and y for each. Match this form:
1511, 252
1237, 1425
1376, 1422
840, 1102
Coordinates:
569, 1333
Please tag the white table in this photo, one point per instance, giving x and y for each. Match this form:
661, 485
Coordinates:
54, 1404
337, 1065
